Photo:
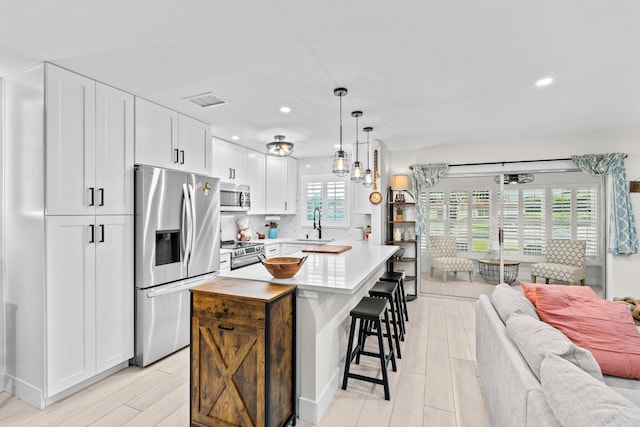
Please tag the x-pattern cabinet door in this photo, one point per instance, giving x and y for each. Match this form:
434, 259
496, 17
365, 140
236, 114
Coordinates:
230, 359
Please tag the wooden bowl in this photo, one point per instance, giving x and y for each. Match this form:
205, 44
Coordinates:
283, 267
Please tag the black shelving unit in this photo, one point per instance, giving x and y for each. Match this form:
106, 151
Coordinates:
412, 247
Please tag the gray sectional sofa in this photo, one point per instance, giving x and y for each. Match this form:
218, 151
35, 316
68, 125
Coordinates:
533, 375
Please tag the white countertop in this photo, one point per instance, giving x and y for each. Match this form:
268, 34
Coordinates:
343, 273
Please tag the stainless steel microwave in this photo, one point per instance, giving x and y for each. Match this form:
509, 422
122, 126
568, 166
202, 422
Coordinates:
234, 197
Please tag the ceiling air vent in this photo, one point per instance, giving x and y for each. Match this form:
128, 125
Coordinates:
206, 100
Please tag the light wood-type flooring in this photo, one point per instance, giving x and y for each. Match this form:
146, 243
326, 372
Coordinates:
436, 384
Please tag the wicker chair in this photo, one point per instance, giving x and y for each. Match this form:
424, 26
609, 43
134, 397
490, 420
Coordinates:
444, 256
564, 260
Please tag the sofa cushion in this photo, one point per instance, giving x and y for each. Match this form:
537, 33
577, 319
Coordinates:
530, 290
603, 327
536, 339
507, 300
579, 400
627, 387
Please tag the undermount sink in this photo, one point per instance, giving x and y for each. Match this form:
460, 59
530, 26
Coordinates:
315, 240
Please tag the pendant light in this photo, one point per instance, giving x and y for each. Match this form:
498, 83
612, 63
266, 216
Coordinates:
368, 176
356, 172
340, 161
279, 147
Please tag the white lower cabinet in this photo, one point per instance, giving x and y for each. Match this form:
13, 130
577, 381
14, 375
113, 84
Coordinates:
89, 301
272, 250
225, 262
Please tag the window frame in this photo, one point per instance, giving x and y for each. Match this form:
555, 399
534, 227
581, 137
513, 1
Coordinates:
325, 179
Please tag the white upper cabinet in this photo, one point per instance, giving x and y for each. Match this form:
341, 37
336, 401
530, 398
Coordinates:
70, 143
195, 154
281, 185
89, 131
229, 162
360, 198
114, 151
256, 165
165, 138
156, 135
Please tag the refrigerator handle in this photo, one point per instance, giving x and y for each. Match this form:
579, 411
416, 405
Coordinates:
187, 222
194, 220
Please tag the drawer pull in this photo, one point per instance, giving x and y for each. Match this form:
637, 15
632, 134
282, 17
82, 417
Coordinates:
226, 328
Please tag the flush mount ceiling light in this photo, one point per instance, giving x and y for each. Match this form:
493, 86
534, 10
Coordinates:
279, 147
340, 160
235, 137
517, 178
544, 82
368, 176
356, 172
284, 109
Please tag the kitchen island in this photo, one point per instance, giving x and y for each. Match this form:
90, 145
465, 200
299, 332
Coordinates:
328, 287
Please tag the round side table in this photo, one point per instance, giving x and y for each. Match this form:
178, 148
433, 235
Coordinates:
490, 270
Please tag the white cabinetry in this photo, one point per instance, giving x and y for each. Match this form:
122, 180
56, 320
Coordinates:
89, 298
272, 250
69, 242
360, 198
256, 169
89, 146
281, 185
196, 153
225, 262
165, 138
229, 162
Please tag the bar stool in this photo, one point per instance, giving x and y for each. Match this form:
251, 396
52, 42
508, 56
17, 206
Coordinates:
369, 310
392, 276
389, 291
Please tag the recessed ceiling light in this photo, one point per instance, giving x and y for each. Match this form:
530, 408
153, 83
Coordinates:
544, 82
235, 137
285, 109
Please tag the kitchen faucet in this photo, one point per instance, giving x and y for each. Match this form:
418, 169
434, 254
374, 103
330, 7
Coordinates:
318, 227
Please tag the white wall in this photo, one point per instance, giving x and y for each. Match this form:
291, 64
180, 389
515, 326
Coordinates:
625, 269
2, 332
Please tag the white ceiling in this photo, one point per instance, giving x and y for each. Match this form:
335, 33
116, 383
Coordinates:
424, 72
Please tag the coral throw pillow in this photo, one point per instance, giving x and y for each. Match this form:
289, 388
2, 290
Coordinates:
582, 291
603, 327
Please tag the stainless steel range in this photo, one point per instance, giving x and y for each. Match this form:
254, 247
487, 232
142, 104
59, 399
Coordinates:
243, 253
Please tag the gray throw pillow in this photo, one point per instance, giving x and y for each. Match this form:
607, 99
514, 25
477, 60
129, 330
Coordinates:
579, 400
507, 300
535, 339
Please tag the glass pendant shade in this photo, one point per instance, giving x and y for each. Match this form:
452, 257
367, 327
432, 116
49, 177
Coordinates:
341, 163
279, 147
340, 160
368, 175
357, 174
368, 178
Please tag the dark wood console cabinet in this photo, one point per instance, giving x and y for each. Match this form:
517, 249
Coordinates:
242, 353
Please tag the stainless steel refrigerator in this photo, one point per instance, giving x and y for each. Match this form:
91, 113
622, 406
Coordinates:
177, 246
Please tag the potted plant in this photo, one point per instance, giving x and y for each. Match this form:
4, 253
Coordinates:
399, 213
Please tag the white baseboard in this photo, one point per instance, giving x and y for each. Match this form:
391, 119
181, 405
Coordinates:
312, 411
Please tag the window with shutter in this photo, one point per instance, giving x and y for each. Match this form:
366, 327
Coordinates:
329, 194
